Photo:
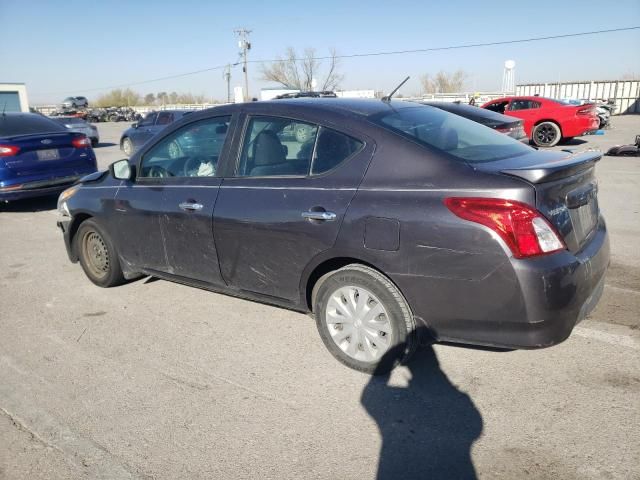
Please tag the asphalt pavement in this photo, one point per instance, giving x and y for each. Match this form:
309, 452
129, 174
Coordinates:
156, 380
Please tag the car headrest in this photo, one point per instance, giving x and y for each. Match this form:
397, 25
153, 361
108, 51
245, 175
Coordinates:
267, 149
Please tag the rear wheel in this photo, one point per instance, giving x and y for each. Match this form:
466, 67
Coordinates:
127, 146
98, 255
363, 319
546, 134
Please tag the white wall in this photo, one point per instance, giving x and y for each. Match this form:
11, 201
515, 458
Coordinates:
21, 89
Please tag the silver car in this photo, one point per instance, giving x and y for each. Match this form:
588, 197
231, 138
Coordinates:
76, 124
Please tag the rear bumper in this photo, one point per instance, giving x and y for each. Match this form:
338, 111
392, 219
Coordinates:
580, 126
529, 303
38, 188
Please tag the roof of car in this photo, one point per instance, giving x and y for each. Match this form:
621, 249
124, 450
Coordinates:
360, 106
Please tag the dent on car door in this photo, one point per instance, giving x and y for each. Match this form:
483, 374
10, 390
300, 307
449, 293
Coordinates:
285, 202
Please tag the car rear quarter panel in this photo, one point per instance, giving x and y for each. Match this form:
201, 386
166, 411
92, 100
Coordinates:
447, 268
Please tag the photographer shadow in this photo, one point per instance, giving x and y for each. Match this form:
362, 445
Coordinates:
427, 428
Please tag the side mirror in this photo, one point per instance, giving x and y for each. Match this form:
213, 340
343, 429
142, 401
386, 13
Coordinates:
121, 170
134, 125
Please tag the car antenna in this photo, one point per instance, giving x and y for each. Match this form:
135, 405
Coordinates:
4, 107
388, 97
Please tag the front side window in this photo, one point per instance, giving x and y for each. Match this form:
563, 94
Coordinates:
497, 106
192, 151
462, 138
276, 146
523, 105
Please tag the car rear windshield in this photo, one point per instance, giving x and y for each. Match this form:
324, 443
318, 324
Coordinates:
26, 124
459, 137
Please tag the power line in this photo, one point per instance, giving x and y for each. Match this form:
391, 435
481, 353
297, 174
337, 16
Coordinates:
368, 54
454, 47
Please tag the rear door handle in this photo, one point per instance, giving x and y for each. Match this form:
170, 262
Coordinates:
190, 206
324, 216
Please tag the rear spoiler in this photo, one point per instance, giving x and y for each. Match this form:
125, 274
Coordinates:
549, 171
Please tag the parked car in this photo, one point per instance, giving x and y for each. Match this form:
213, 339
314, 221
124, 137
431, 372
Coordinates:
140, 132
38, 156
514, 127
387, 217
77, 124
547, 121
75, 102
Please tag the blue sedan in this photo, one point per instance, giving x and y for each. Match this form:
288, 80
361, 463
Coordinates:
40, 157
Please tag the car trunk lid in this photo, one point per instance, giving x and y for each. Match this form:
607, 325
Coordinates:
40, 152
565, 188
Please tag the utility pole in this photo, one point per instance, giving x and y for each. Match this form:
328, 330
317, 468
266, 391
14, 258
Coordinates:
227, 77
245, 46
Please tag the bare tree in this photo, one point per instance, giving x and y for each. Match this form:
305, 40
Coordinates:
298, 73
444, 82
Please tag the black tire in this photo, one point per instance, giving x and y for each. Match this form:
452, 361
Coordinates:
94, 143
98, 255
403, 341
546, 134
127, 146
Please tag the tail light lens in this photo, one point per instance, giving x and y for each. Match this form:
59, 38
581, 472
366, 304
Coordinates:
516, 131
81, 142
9, 150
586, 111
523, 229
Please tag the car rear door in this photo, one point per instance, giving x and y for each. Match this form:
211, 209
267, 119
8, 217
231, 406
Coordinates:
284, 201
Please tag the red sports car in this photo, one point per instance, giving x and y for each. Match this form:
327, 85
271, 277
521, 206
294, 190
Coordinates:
547, 121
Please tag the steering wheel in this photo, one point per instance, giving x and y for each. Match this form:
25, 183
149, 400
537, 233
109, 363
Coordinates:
159, 172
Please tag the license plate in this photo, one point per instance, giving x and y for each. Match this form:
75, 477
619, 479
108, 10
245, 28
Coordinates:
50, 154
588, 217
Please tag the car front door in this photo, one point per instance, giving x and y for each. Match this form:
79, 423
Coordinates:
144, 130
284, 201
527, 110
170, 204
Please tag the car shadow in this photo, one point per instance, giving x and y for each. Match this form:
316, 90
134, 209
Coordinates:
573, 141
38, 204
427, 427
105, 144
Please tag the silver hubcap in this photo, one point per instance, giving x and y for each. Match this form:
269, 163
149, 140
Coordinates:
358, 323
126, 146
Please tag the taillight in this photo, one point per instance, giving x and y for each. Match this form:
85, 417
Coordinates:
516, 131
81, 142
8, 150
586, 111
523, 229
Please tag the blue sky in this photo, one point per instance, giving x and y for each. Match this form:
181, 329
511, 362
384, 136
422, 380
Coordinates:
60, 48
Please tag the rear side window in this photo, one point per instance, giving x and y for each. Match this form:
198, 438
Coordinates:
276, 147
27, 123
459, 137
164, 118
332, 149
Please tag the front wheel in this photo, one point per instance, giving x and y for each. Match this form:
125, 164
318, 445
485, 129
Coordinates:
98, 255
363, 319
546, 134
127, 146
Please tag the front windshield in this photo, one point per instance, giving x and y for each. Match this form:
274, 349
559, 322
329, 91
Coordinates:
463, 139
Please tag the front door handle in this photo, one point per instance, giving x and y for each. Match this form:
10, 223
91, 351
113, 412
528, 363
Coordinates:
190, 206
324, 216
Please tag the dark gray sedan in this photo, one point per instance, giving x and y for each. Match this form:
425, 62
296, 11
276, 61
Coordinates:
383, 219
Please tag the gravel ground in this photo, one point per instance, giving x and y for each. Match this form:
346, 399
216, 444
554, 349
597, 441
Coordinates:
159, 380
